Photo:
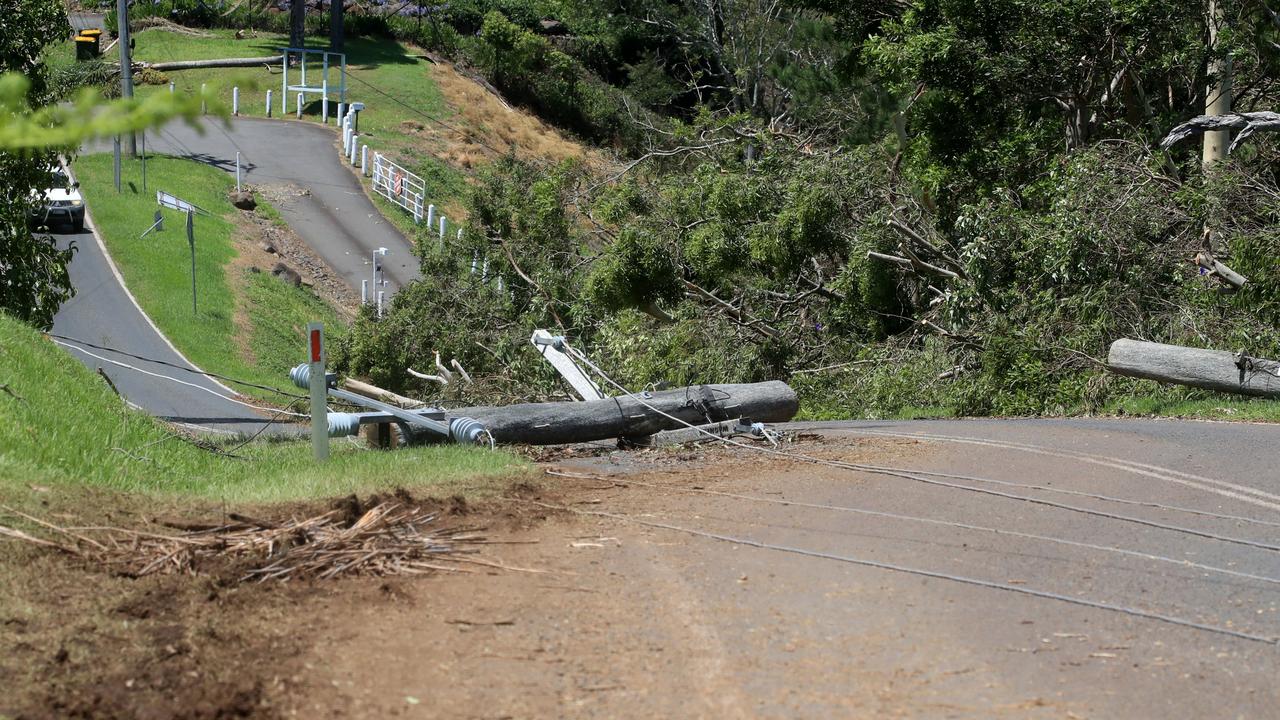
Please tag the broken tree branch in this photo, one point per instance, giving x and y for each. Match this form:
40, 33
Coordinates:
744, 319
1247, 123
914, 263
1232, 278
918, 239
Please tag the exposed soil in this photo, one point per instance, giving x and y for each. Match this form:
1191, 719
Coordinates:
583, 612
83, 642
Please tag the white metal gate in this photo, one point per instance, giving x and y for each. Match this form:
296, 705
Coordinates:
398, 185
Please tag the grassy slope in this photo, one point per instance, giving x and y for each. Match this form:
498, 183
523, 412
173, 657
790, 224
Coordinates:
157, 269
64, 428
381, 73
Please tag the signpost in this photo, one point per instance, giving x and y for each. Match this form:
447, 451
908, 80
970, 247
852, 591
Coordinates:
173, 202
316, 383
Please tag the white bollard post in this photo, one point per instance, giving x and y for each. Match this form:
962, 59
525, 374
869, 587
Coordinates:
204, 109
364, 291
238, 188
170, 87
354, 138
268, 103
299, 106
341, 116
381, 296
324, 110
431, 215
442, 227
364, 161
235, 100
475, 260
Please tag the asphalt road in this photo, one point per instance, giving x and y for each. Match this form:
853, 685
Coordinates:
324, 204
749, 631
324, 200
102, 313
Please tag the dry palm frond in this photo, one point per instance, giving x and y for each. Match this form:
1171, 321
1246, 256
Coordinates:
390, 538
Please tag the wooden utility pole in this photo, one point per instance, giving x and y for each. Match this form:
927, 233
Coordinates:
1216, 370
126, 63
336, 30
1218, 95
297, 23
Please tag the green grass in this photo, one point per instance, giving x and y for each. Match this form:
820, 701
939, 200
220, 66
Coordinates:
394, 85
63, 427
1195, 404
157, 270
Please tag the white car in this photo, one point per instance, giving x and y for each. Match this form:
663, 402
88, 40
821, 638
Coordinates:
61, 202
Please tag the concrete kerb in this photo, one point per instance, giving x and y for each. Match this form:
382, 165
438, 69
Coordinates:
115, 271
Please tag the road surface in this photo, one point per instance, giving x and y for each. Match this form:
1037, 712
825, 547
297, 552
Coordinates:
333, 216
329, 211
101, 313
630, 620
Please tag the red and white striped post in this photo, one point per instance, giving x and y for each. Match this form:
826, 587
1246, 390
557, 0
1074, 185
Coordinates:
317, 382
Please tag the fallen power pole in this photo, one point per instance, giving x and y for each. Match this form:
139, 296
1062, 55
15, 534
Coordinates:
626, 416
1216, 370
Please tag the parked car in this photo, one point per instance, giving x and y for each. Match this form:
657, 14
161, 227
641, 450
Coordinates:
61, 202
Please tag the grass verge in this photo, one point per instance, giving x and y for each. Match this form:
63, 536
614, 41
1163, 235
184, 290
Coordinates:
247, 325
64, 429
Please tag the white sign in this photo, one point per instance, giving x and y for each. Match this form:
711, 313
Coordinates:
173, 202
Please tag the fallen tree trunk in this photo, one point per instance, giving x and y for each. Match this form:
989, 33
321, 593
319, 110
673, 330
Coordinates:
1247, 123
219, 63
620, 417
378, 393
1206, 369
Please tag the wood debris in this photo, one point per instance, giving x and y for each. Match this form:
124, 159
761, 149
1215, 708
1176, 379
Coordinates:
389, 539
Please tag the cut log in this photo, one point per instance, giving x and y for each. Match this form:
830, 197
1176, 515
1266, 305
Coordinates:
216, 63
625, 416
1206, 369
377, 393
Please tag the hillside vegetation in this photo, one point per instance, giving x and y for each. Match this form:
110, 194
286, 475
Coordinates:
927, 208
921, 208
65, 429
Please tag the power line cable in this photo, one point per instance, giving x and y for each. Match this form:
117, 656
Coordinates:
1095, 496
1019, 589
465, 133
166, 363
917, 478
1244, 493
933, 521
173, 379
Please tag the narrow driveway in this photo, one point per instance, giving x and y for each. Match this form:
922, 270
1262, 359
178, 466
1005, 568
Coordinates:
327, 207
103, 314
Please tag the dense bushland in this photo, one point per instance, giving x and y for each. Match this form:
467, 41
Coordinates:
927, 206
999, 159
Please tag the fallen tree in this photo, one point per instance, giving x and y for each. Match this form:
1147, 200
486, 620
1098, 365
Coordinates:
216, 63
627, 417
1216, 370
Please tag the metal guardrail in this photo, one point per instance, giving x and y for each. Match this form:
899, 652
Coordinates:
398, 185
